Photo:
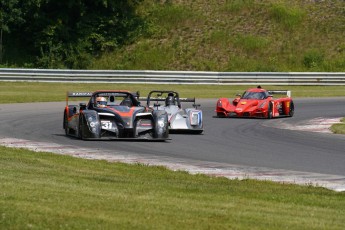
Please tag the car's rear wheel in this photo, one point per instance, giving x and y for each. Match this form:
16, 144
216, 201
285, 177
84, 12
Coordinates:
292, 109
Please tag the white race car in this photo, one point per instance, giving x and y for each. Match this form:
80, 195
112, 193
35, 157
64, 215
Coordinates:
181, 120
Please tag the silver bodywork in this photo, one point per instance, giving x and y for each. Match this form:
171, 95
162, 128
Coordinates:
188, 120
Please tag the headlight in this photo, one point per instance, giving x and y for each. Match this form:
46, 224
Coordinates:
90, 117
92, 122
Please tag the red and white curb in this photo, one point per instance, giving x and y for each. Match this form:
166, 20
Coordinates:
320, 125
333, 182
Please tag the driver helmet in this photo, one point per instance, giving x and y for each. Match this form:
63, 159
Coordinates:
101, 102
170, 100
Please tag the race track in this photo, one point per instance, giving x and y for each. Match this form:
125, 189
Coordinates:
253, 143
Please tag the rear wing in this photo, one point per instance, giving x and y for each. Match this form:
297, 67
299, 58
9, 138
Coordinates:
77, 94
163, 99
282, 92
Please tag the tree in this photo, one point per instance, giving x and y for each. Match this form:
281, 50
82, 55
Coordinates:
11, 13
67, 33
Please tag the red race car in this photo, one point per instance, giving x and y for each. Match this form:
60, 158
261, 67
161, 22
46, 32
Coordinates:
257, 102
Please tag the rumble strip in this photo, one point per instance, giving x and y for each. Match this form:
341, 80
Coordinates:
319, 125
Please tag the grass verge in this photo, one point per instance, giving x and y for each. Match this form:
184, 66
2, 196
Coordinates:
339, 128
20, 92
48, 191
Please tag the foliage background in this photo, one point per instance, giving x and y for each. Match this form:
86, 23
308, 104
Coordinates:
198, 35
65, 33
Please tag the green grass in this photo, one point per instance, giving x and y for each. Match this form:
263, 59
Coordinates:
287, 16
20, 92
278, 36
339, 128
48, 191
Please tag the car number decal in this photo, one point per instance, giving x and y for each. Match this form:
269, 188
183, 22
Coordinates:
107, 124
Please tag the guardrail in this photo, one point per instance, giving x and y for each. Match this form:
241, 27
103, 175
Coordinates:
172, 77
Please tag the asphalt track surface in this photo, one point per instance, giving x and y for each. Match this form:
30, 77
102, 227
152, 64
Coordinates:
246, 142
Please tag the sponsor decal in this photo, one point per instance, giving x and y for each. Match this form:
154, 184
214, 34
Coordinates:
108, 125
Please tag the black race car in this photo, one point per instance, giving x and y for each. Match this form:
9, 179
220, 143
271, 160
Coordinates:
113, 114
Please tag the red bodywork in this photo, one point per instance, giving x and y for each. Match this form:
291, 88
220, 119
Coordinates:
256, 102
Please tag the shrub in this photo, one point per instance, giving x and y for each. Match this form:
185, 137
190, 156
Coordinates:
288, 17
313, 58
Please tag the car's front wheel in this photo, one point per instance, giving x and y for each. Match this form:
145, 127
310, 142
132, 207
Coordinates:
220, 115
161, 126
270, 110
65, 123
80, 129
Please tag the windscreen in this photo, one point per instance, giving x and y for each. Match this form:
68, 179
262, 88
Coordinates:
254, 95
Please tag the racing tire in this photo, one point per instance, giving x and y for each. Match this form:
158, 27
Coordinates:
199, 132
158, 131
80, 129
270, 111
221, 115
292, 109
135, 125
65, 123
135, 131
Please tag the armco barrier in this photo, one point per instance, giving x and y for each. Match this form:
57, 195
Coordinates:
172, 77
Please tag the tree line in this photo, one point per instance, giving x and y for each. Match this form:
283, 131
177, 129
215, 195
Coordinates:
65, 33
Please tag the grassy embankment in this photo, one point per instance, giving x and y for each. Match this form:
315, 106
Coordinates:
198, 35
48, 191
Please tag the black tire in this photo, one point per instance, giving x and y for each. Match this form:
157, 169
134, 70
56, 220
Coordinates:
270, 111
199, 132
292, 109
135, 126
80, 129
65, 123
160, 132
221, 115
